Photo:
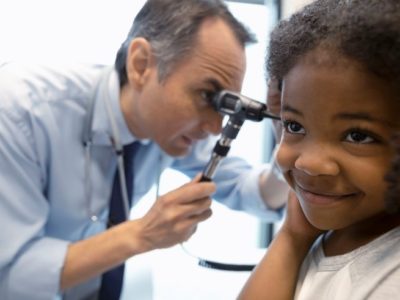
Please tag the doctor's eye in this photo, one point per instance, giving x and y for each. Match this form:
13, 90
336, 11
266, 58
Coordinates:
293, 127
207, 95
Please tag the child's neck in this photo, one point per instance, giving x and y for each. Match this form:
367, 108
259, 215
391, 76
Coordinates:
350, 238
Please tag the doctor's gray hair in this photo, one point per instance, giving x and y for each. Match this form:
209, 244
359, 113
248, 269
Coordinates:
171, 27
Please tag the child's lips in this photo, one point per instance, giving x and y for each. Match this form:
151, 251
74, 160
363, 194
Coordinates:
319, 198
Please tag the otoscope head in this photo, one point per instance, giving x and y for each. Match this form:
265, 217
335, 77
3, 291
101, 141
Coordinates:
239, 108
235, 104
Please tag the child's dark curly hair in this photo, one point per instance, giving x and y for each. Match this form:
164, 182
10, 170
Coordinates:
366, 31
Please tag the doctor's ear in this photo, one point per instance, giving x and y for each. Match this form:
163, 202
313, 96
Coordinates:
139, 62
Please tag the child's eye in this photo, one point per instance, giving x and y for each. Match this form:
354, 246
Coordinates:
293, 127
359, 137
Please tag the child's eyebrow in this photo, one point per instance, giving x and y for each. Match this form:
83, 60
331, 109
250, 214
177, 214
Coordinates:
288, 108
359, 116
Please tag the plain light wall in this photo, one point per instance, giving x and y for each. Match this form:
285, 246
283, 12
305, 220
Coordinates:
290, 6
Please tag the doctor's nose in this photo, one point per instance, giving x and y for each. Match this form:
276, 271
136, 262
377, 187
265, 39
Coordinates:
213, 123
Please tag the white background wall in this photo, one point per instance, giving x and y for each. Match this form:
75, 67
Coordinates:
64, 30
290, 6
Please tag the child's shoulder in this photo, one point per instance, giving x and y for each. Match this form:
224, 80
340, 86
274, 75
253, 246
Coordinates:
378, 270
380, 252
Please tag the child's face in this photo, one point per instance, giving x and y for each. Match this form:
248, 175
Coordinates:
335, 148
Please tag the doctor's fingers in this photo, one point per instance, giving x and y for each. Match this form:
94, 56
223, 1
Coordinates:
188, 226
188, 193
176, 212
196, 208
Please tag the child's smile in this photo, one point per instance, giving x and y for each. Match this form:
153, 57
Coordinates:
315, 194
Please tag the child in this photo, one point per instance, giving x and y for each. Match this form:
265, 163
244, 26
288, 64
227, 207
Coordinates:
339, 63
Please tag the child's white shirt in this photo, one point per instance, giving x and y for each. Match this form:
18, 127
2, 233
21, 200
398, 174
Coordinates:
369, 272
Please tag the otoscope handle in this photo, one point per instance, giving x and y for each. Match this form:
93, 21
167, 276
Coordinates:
221, 149
205, 178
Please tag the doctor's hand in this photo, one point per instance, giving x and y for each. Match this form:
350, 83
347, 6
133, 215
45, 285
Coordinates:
174, 216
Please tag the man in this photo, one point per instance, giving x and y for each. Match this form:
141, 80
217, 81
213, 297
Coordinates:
61, 133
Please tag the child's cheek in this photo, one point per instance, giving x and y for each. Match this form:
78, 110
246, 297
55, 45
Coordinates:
285, 158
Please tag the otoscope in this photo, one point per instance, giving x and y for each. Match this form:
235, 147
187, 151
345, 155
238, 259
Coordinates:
239, 108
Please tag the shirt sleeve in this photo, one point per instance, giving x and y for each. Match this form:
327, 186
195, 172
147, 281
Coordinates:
30, 261
237, 181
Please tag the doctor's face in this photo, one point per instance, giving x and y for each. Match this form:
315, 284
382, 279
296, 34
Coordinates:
176, 113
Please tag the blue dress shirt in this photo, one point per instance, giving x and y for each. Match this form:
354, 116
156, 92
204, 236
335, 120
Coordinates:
44, 203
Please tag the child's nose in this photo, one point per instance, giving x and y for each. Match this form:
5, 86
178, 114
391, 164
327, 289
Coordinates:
316, 160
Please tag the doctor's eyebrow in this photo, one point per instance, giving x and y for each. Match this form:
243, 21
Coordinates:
214, 83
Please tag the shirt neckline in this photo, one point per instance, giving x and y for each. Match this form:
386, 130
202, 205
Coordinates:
338, 261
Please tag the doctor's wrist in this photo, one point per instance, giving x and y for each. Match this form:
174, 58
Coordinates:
135, 243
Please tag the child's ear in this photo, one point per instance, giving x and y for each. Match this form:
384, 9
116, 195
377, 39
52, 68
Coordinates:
139, 62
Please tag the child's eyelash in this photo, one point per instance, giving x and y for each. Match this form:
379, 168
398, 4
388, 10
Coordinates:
293, 127
285, 123
365, 131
